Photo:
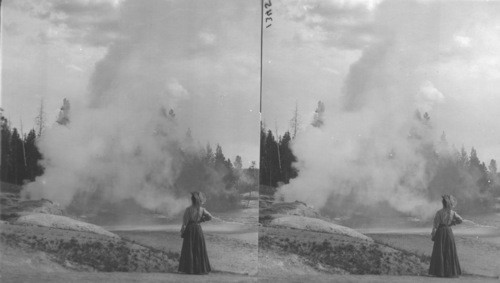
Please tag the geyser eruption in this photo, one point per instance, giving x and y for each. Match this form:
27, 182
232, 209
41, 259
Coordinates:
122, 141
119, 151
374, 142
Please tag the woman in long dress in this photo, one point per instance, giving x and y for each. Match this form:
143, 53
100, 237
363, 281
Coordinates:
194, 257
444, 260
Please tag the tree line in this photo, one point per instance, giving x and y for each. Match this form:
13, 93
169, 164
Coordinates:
457, 171
220, 179
464, 175
20, 156
276, 158
201, 168
449, 170
276, 155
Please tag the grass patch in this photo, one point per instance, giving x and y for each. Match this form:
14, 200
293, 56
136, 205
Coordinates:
110, 256
352, 256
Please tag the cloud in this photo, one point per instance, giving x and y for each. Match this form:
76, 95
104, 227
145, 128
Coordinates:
462, 41
87, 22
339, 24
176, 90
428, 96
207, 38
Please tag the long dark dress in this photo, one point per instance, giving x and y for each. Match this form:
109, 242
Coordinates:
444, 260
194, 257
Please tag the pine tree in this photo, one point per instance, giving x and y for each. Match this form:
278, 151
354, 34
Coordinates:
19, 168
318, 115
63, 118
238, 164
6, 154
40, 119
229, 164
33, 157
295, 121
494, 178
219, 159
209, 155
272, 160
287, 159
493, 166
463, 158
264, 168
474, 163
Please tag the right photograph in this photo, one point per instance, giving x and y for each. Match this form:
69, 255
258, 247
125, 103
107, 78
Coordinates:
379, 141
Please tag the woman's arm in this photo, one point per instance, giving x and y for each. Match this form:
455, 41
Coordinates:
457, 219
435, 224
206, 215
185, 220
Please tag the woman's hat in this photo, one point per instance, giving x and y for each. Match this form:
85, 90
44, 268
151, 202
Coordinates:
450, 200
200, 196
203, 198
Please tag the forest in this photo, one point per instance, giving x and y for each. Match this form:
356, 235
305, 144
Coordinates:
222, 180
474, 182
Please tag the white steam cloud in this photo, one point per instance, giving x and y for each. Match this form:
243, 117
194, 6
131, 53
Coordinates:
121, 141
370, 149
127, 149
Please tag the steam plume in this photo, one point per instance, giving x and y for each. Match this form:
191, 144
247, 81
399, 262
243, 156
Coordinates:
371, 148
121, 142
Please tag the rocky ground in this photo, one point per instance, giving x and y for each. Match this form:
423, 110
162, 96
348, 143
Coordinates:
294, 235
39, 242
477, 256
72, 244
295, 242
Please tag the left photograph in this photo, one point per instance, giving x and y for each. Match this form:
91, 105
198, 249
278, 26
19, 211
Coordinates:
128, 140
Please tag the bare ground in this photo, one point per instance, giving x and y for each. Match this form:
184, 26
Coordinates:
339, 254
34, 253
300, 255
65, 277
78, 250
275, 266
227, 252
477, 256
233, 254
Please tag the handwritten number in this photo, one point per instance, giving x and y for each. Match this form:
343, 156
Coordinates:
268, 13
267, 5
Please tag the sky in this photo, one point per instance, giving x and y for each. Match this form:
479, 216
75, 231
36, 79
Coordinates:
444, 55
203, 57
